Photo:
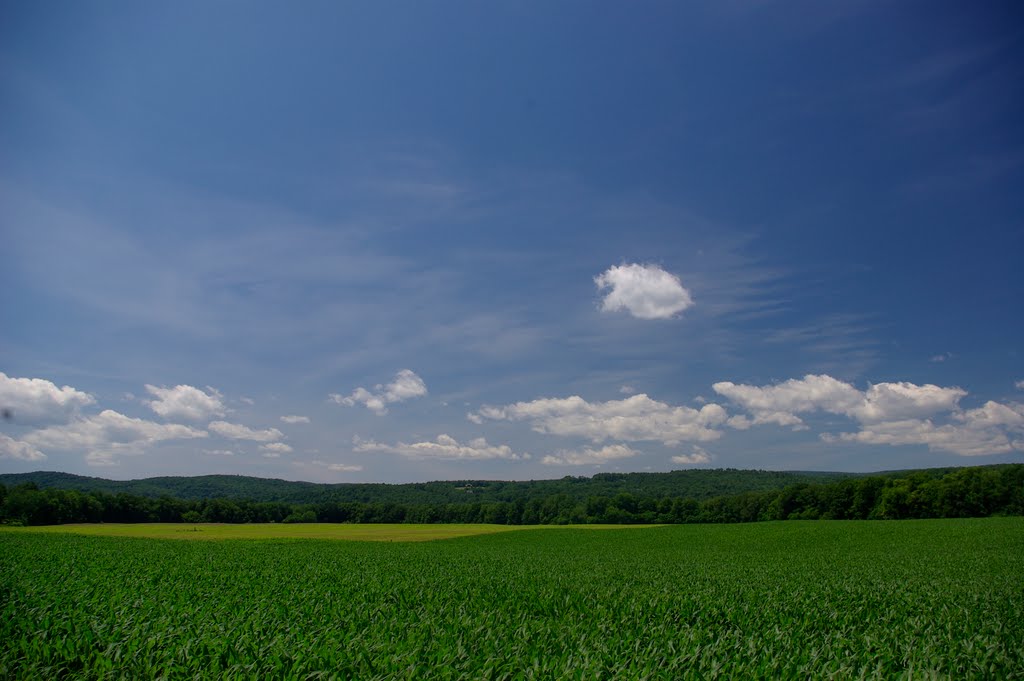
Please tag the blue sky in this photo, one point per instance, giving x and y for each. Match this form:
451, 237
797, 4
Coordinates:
414, 241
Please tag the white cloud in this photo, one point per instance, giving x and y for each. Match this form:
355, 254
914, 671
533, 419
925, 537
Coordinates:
445, 447
1019, 385
275, 449
295, 419
102, 458
942, 357
696, 457
219, 452
235, 431
36, 400
474, 418
247, 400
406, 386
993, 414
589, 455
15, 449
779, 418
773, 403
627, 389
107, 434
969, 440
341, 467
887, 413
780, 403
635, 418
374, 403
185, 401
645, 291
893, 401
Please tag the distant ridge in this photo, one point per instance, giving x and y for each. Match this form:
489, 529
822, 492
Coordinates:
693, 484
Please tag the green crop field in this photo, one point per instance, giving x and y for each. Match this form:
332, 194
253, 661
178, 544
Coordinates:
796, 599
356, 532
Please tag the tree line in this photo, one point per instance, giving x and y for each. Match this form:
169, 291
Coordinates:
955, 493
692, 483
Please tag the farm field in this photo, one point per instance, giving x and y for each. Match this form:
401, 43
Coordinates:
358, 532
794, 599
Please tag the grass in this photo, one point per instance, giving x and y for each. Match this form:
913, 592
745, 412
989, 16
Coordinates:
797, 599
370, 532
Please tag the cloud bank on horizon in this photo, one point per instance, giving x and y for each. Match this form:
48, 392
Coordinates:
751, 235
890, 414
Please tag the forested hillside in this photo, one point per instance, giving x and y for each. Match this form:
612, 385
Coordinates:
693, 484
936, 493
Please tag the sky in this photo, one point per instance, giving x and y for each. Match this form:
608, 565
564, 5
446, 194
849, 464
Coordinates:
408, 241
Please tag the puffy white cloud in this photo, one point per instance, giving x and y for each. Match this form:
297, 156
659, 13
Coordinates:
236, 431
1019, 385
993, 414
406, 386
793, 396
645, 291
107, 434
36, 400
295, 419
627, 389
780, 403
374, 403
275, 449
15, 449
635, 418
895, 401
444, 447
185, 401
219, 452
588, 455
887, 413
967, 440
698, 456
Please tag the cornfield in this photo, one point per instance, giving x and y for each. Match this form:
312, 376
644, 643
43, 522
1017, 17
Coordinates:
800, 599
